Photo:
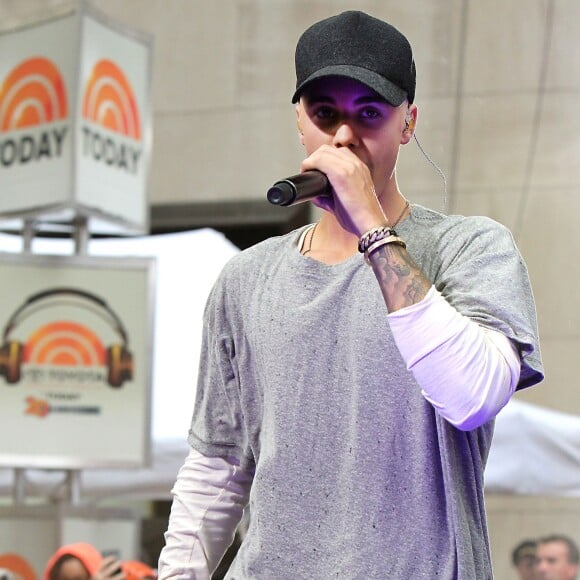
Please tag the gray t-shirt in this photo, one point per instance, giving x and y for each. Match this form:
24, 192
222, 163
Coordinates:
356, 475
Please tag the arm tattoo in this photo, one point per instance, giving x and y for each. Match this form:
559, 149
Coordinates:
402, 282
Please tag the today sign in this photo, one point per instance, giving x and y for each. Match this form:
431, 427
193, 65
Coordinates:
75, 121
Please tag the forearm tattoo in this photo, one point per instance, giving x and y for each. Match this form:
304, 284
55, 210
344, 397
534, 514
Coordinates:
402, 282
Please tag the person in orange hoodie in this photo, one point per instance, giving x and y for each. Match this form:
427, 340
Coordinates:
81, 561
135, 570
14, 566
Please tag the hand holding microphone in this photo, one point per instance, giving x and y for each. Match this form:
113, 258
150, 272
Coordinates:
298, 188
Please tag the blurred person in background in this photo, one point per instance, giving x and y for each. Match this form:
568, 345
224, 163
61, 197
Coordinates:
82, 561
15, 567
557, 558
135, 570
7, 574
524, 559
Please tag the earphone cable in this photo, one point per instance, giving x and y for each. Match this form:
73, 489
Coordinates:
438, 169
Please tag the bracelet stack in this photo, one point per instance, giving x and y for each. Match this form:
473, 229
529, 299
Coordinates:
377, 237
374, 235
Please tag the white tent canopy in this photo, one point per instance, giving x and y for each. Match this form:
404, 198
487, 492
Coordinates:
535, 451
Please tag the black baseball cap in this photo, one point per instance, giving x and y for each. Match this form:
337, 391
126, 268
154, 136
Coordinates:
360, 47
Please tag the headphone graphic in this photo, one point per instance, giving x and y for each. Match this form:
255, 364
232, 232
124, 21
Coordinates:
119, 358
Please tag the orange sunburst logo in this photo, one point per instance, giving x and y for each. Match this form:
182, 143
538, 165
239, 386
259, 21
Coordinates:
32, 94
109, 100
64, 343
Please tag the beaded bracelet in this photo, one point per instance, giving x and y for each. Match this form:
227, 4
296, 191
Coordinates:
374, 235
383, 242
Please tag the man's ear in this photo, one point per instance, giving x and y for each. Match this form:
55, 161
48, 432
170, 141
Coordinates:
410, 123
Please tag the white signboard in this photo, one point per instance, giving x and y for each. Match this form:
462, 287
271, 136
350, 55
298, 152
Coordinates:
75, 361
75, 122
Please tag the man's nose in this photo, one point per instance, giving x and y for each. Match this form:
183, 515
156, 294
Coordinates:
345, 136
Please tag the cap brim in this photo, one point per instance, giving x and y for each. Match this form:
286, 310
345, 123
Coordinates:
393, 94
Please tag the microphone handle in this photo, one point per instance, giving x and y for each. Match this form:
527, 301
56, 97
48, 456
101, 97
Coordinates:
298, 188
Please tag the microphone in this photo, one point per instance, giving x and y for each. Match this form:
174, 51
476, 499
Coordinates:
298, 188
